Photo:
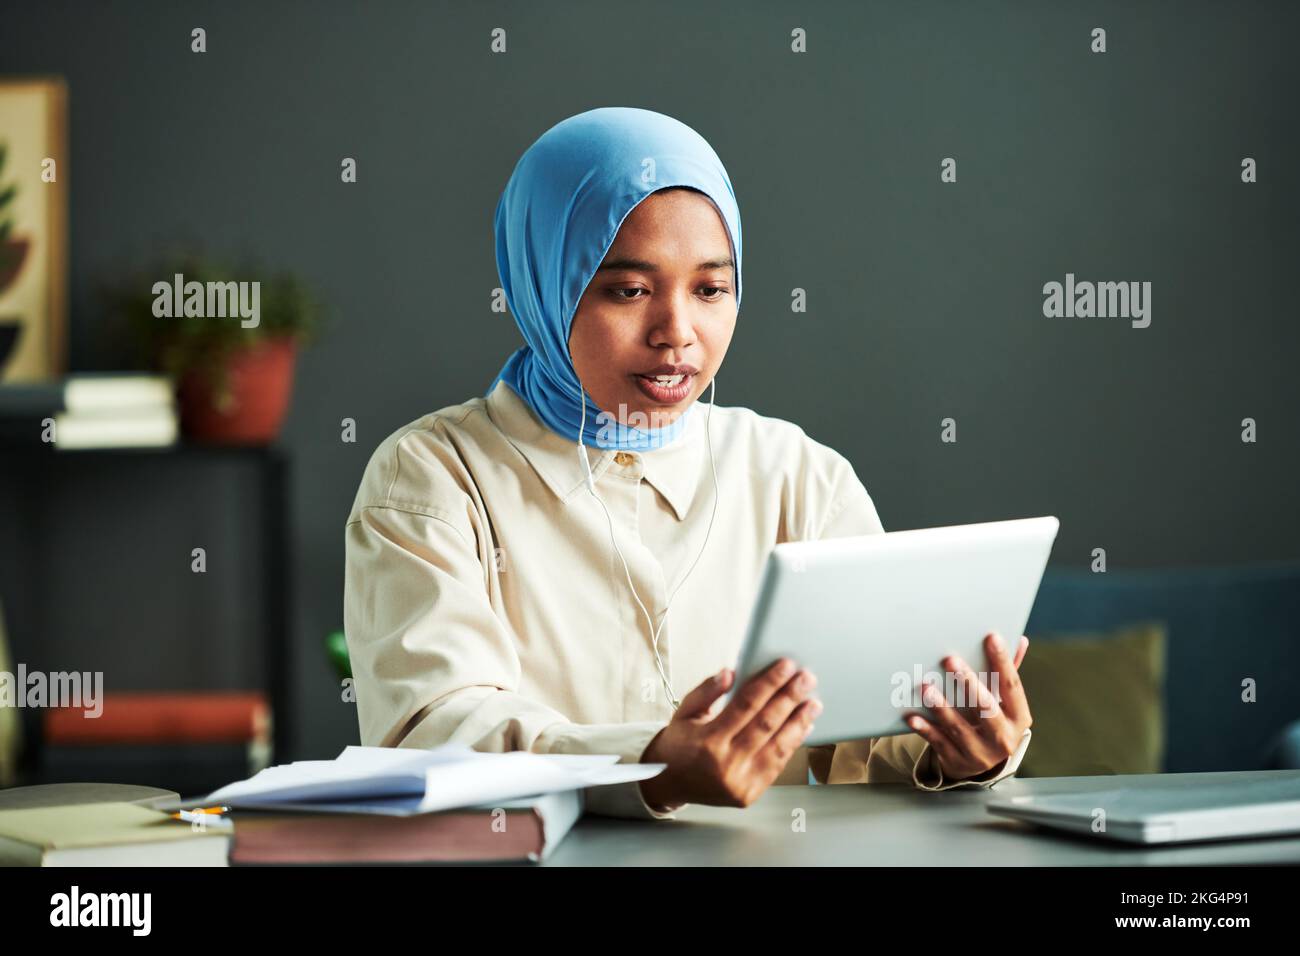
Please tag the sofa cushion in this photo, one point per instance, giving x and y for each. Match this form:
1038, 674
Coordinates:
1097, 702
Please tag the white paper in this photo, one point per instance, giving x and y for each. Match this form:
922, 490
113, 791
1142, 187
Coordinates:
444, 778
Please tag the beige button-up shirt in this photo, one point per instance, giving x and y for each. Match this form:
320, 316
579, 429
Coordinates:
485, 604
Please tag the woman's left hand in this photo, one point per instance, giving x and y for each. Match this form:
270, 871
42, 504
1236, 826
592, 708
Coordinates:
975, 731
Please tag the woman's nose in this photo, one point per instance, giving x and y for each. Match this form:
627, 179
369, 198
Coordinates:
673, 327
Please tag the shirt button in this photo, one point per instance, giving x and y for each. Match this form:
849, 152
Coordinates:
623, 458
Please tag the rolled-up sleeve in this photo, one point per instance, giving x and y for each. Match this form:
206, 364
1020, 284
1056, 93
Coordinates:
906, 758
433, 664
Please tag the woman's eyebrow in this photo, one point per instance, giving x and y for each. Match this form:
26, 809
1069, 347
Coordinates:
643, 265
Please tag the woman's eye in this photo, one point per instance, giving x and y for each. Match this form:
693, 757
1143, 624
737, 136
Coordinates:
712, 293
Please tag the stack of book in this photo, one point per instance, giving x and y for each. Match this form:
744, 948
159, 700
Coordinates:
107, 834
187, 741
392, 805
97, 824
91, 410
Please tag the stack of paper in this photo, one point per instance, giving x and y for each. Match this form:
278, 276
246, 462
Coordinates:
424, 781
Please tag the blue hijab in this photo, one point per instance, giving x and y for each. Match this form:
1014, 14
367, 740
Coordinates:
560, 212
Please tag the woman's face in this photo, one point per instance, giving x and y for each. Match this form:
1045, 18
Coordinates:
654, 324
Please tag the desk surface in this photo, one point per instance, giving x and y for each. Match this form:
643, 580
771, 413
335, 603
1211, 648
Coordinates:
893, 825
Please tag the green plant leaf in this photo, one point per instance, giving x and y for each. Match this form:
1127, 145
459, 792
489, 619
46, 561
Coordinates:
182, 344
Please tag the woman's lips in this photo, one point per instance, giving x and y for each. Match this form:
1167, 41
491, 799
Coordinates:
660, 388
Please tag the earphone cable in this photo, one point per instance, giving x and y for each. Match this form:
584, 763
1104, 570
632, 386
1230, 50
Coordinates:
591, 487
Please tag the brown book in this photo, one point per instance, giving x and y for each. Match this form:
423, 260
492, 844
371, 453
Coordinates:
157, 718
520, 830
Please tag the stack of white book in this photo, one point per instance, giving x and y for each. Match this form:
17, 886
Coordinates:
93, 410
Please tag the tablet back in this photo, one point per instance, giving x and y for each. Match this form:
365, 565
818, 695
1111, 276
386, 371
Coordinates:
872, 616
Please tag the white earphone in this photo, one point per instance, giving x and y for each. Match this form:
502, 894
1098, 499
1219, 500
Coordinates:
591, 487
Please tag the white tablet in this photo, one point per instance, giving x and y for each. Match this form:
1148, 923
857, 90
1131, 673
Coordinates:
872, 616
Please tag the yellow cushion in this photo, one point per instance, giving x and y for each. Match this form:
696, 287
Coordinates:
1097, 701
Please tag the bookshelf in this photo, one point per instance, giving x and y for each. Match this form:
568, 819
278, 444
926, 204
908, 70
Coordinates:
97, 570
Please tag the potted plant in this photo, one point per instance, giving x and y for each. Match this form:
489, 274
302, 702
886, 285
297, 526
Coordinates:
233, 373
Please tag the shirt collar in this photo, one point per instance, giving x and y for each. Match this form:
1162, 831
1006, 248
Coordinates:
673, 470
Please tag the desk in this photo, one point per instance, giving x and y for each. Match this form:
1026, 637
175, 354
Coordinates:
892, 825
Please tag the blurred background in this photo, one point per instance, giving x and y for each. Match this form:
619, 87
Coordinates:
924, 302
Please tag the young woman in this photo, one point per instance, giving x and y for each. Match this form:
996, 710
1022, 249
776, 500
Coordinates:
512, 560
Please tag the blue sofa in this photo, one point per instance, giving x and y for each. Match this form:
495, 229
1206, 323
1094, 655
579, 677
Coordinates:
1224, 625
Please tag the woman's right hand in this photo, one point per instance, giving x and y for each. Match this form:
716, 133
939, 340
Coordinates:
729, 759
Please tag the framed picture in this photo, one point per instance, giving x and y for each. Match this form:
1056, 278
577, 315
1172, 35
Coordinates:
33, 228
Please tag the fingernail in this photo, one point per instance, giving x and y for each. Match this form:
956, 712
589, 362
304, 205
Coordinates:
815, 708
998, 642
784, 668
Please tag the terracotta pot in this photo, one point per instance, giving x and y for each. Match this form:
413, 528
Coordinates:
260, 381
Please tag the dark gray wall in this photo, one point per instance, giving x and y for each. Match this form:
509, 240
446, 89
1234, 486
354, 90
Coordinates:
924, 298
